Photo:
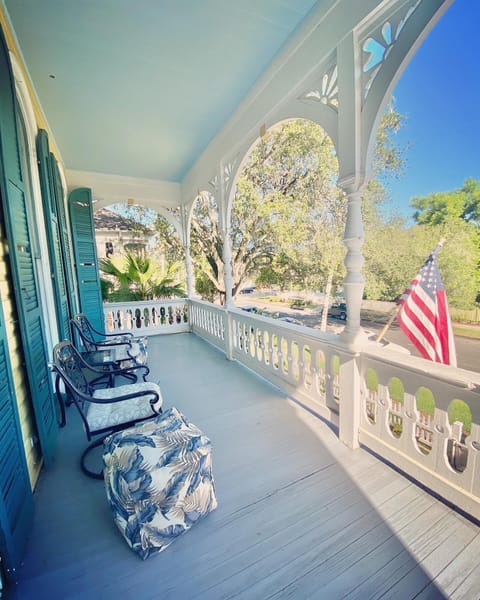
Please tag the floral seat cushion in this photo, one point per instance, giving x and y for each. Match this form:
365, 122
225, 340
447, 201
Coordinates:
103, 416
159, 480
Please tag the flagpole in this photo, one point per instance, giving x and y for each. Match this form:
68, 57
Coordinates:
387, 325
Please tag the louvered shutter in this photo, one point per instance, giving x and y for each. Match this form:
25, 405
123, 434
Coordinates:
17, 227
85, 253
46, 165
65, 238
16, 504
16, 501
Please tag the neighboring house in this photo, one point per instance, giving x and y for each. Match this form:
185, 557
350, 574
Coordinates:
115, 234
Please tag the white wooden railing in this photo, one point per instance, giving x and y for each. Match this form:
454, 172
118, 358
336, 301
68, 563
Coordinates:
371, 396
318, 371
442, 455
209, 321
147, 318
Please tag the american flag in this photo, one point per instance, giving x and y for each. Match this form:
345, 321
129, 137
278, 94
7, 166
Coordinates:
424, 316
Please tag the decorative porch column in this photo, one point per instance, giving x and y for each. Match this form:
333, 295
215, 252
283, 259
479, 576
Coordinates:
222, 189
188, 256
228, 281
189, 272
227, 265
354, 282
353, 336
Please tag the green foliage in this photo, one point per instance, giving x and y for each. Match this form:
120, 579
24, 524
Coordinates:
442, 207
387, 273
169, 243
288, 216
425, 401
336, 364
137, 277
207, 248
460, 411
396, 429
372, 380
389, 158
396, 389
454, 216
286, 201
205, 287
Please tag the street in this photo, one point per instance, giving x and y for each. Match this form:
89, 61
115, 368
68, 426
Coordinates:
468, 350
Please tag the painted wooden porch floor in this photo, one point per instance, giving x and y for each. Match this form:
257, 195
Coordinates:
299, 515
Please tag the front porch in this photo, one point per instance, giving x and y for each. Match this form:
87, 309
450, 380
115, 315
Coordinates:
300, 515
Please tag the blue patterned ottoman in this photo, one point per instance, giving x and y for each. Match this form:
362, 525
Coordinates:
159, 480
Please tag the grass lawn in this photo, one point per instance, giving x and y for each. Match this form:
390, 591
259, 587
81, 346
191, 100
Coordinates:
466, 331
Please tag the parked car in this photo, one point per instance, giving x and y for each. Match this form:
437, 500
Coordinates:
290, 320
248, 290
338, 310
252, 309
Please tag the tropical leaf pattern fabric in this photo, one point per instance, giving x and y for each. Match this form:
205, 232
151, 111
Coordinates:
159, 480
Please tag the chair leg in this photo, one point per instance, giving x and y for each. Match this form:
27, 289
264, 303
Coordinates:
86, 452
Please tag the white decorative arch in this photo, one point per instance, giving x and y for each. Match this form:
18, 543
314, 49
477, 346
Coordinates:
236, 166
338, 71
387, 44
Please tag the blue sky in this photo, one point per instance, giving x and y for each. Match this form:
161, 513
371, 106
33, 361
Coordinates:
439, 93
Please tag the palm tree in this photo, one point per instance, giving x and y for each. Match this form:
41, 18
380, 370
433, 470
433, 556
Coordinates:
137, 277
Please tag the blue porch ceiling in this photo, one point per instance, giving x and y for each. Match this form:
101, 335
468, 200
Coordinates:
140, 87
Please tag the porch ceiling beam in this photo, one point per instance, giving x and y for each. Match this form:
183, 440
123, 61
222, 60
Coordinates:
108, 189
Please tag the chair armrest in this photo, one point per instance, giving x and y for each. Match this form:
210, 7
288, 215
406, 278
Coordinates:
130, 394
125, 405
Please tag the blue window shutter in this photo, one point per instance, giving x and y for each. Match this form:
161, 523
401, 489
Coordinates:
23, 274
85, 253
16, 503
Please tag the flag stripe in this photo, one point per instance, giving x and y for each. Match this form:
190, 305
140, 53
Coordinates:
423, 345
426, 326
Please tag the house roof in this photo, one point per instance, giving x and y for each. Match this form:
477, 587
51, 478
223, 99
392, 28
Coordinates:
107, 219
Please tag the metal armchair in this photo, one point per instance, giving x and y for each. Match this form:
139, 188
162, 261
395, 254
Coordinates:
103, 410
93, 339
108, 351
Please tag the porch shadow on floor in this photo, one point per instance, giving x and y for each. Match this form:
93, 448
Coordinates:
299, 515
